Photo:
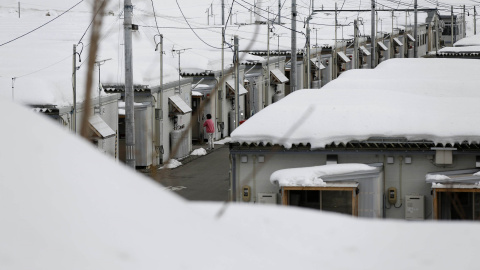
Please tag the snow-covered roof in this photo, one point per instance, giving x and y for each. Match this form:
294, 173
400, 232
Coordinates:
312, 176
460, 50
473, 40
196, 94
416, 99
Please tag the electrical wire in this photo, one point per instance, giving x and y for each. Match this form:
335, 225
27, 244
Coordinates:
94, 16
230, 46
44, 67
267, 19
41, 25
155, 16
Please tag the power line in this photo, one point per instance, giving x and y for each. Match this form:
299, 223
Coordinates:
44, 67
267, 19
94, 16
194, 30
41, 25
155, 16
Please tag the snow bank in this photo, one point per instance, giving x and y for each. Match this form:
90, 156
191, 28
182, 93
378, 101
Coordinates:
172, 164
199, 152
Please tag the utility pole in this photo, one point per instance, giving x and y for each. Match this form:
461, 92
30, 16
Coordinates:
99, 63
334, 55
179, 52
160, 101
464, 23
392, 47
405, 37
237, 81
13, 88
373, 40
129, 94
355, 45
308, 53
267, 80
208, 17
19, 10
474, 20
451, 25
74, 85
279, 10
415, 46
436, 33
293, 56
221, 92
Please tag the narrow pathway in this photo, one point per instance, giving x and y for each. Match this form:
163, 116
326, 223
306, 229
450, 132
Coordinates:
205, 178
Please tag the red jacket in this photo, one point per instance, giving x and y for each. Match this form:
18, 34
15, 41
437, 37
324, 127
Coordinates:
210, 126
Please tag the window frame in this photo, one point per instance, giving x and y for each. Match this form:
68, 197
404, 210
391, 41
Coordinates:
353, 189
436, 192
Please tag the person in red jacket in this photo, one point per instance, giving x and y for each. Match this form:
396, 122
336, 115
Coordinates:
210, 127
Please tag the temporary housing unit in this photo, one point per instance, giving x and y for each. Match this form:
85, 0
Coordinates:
264, 89
102, 123
467, 48
403, 130
162, 116
454, 28
218, 100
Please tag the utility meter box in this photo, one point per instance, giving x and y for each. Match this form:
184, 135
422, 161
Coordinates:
414, 207
267, 198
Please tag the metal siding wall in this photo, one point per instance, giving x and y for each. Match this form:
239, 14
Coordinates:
413, 175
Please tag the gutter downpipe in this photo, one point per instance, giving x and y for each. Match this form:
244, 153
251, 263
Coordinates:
233, 180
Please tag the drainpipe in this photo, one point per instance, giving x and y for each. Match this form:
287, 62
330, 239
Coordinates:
233, 178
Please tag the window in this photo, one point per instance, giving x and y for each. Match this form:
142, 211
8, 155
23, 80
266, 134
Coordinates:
342, 200
456, 204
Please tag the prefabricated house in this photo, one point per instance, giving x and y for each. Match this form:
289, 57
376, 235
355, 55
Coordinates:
370, 144
102, 124
454, 28
162, 116
264, 89
466, 48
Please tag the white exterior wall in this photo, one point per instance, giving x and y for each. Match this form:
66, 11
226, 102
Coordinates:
109, 114
168, 122
227, 102
409, 179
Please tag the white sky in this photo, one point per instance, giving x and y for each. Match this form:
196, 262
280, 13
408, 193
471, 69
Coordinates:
41, 61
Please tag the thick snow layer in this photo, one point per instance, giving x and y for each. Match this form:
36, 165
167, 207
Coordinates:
437, 177
438, 103
473, 40
463, 49
197, 94
312, 176
339, 242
